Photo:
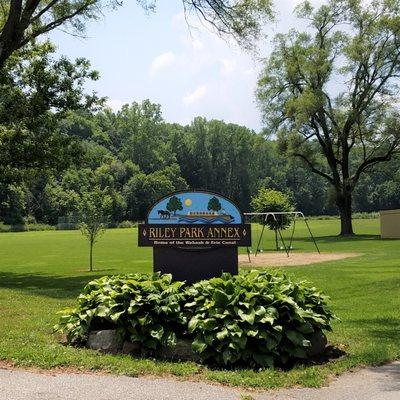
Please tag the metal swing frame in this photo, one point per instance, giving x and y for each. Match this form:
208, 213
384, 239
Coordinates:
295, 214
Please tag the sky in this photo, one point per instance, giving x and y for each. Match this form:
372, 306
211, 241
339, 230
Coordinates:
190, 72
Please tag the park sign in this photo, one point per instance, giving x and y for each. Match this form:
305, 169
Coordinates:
195, 235
194, 219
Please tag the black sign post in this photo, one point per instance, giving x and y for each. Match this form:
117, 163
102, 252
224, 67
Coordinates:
195, 235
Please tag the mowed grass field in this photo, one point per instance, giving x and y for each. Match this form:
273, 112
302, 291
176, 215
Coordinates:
43, 272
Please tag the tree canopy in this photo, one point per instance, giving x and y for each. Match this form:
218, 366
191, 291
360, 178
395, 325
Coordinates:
35, 91
214, 155
331, 93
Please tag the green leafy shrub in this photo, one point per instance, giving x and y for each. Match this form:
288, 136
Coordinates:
256, 319
356, 215
270, 200
25, 227
126, 224
144, 308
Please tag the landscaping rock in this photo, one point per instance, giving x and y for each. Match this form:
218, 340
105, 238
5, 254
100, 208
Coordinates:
106, 341
131, 348
318, 344
182, 351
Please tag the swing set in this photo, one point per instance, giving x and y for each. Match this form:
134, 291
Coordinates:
264, 218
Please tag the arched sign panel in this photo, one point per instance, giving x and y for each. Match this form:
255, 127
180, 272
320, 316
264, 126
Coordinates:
194, 219
195, 234
194, 208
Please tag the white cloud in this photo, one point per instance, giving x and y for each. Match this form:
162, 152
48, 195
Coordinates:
162, 61
178, 19
115, 104
194, 96
197, 45
216, 78
249, 72
228, 65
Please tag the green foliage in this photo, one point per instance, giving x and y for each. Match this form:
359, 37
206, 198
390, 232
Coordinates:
357, 215
214, 204
256, 318
340, 135
94, 208
198, 156
36, 90
241, 19
25, 227
270, 200
145, 308
127, 224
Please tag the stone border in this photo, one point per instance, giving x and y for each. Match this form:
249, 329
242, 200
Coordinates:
108, 341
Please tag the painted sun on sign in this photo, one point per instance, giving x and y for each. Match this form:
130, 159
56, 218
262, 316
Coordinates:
188, 202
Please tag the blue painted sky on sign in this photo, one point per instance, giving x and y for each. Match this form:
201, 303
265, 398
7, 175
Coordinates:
195, 210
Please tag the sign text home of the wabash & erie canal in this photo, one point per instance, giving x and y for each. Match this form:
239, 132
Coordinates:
197, 236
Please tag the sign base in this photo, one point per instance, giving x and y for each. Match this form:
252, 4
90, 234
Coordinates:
192, 265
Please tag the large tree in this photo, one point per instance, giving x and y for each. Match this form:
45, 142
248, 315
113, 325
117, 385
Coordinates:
21, 21
35, 90
334, 88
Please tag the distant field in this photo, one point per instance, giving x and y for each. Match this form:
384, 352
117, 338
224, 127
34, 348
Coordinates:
42, 272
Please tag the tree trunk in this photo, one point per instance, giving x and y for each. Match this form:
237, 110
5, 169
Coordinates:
91, 257
343, 202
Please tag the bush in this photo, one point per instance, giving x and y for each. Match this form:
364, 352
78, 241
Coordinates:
25, 228
143, 308
256, 319
40, 227
270, 200
126, 224
356, 215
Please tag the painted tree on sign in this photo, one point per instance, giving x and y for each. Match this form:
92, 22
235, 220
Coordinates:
174, 204
331, 93
214, 204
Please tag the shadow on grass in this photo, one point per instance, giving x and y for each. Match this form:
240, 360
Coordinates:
384, 328
58, 287
329, 239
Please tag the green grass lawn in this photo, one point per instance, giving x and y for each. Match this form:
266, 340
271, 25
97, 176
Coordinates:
42, 273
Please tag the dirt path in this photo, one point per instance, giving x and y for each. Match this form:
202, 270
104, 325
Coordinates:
379, 383
280, 259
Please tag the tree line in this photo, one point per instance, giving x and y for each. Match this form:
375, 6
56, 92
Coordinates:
134, 157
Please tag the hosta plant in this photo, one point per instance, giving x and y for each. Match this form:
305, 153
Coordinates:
143, 308
255, 319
